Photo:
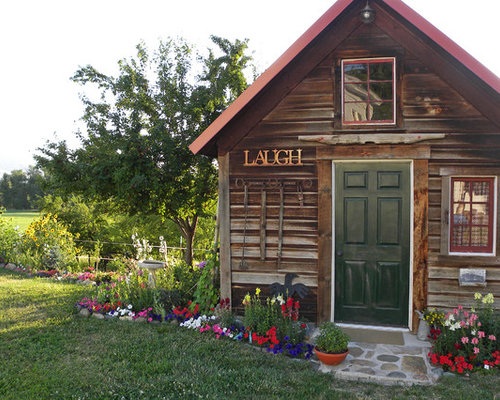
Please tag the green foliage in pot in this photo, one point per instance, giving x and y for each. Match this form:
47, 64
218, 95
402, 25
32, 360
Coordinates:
331, 339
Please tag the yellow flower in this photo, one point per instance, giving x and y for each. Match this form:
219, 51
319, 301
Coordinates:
257, 291
488, 299
477, 296
246, 300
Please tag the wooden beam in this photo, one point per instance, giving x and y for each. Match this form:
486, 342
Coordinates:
225, 227
404, 152
378, 138
324, 239
420, 237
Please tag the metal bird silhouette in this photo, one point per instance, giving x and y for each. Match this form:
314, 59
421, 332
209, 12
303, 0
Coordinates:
288, 289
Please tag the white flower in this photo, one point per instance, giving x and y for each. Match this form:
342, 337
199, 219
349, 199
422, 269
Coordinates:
129, 306
486, 367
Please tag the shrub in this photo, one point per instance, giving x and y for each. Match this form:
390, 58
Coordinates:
331, 339
49, 241
207, 287
10, 240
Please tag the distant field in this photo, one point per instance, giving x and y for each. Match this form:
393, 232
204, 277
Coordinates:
22, 217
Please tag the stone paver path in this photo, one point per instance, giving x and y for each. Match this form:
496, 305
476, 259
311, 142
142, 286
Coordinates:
387, 364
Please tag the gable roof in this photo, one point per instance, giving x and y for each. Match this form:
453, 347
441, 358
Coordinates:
205, 143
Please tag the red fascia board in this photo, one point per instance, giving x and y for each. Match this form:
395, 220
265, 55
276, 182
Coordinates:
445, 42
268, 75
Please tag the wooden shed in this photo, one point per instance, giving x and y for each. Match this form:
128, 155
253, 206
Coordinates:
366, 161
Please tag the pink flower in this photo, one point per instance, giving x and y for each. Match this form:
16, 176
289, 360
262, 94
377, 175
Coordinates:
492, 337
475, 340
462, 324
455, 311
460, 307
466, 314
480, 334
476, 350
465, 340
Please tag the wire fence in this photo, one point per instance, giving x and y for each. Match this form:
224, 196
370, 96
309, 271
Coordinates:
172, 251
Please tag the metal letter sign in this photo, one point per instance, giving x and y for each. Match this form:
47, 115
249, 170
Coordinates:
270, 158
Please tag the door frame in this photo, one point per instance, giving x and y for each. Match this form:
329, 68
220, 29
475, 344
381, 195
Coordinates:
410, 264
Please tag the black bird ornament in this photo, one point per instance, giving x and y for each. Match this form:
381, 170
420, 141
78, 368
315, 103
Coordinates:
288, 289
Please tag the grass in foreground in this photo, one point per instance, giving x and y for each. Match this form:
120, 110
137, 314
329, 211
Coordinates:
22, 218
47, 352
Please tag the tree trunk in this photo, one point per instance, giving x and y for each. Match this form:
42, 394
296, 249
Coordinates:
188, 229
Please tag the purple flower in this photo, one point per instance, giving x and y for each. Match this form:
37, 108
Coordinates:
202, 264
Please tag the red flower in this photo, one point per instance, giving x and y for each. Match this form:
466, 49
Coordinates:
245, 335
289, 302
303, 326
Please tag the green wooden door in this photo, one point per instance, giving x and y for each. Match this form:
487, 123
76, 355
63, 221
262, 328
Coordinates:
372, 243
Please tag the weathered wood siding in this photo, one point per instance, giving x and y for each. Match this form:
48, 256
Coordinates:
425, 103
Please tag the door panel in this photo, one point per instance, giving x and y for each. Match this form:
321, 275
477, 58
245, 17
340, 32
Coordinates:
372, 243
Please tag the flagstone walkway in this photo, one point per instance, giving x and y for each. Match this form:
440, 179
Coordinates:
387, 364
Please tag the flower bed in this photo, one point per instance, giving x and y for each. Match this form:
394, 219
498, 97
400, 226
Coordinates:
189, 317
466, 341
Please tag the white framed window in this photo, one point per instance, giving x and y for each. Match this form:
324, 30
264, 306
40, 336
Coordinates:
469, 215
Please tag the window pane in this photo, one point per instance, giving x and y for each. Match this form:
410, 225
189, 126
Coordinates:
461, 213
480, 214
356, 92
479, 236
381, 71
355, 72
382, 111
380, 91
461, 191
460, 236
480, 191
356, 112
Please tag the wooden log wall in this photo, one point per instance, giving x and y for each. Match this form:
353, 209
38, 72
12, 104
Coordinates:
425, 102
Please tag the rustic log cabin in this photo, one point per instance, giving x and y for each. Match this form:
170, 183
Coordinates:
365, 161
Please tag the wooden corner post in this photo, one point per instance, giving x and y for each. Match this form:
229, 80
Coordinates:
225, 227
420, 238
324, 239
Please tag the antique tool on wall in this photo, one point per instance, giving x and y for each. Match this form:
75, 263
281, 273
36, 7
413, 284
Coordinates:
280, 227
243, 263
263, 222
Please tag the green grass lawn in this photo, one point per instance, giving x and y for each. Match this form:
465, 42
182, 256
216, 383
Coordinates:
22, 218
47, 352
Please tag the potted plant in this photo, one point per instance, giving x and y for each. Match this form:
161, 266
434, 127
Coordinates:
331, 344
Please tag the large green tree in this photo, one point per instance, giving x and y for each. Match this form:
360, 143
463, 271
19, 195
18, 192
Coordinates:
21, 189
135, 148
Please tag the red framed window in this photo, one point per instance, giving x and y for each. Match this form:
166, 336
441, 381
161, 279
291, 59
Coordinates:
369, 91
472, 215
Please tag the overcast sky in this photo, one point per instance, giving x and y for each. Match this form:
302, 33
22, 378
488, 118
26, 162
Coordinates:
44, 42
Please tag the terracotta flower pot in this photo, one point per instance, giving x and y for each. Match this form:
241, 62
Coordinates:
331, 359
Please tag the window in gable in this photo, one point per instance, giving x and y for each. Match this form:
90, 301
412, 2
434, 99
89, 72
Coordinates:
369, 91
472, 209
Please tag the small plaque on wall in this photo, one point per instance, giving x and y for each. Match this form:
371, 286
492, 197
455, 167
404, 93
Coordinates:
472, 277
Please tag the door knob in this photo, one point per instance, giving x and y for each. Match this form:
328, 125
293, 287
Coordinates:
339, 253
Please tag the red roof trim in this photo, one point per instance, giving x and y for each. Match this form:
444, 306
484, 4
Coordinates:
269, 74
445, 42
333, 12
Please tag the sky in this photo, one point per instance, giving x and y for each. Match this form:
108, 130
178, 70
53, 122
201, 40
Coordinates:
44, 42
